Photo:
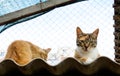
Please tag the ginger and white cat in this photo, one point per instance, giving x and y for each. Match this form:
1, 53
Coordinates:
86, 51
23, 52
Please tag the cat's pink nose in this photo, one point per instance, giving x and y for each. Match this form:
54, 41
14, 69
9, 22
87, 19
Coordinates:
87, 45
86, 49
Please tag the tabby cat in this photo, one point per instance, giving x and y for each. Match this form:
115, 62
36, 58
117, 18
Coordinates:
86, 51
23, 52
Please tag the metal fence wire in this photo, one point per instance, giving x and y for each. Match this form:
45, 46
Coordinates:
57, 29
8, 6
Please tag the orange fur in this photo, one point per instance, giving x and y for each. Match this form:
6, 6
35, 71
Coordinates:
23, 52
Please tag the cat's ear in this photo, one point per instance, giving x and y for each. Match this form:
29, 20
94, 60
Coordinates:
47, 50
78, 31
95, 33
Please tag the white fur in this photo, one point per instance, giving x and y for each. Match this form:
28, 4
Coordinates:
91, 55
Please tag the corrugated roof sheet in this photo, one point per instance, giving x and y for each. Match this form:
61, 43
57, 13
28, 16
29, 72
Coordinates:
103, 66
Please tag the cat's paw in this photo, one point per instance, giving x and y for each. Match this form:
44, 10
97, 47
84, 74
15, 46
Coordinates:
83, 59
88, 61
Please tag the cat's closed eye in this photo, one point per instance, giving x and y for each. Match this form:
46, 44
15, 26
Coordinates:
79, 41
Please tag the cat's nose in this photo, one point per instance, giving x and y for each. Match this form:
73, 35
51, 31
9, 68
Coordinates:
86, 48
87, 44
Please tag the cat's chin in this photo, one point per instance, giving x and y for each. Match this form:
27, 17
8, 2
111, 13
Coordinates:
85, 51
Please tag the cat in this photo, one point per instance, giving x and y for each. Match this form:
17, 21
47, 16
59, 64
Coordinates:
86, 51
22, 52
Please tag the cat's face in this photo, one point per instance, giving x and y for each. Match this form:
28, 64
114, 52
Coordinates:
86, 41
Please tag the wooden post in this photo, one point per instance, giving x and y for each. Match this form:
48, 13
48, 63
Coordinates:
116, 18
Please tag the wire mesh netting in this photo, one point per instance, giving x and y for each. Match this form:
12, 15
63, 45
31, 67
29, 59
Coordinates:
57, 29
8, 6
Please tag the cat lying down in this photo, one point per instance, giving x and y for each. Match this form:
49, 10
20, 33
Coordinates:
22, 52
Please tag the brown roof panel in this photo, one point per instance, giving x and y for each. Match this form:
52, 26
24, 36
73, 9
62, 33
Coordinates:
69, 66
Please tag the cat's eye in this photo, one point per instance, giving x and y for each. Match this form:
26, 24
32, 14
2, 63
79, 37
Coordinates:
91, 41
78, 44
81, 41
